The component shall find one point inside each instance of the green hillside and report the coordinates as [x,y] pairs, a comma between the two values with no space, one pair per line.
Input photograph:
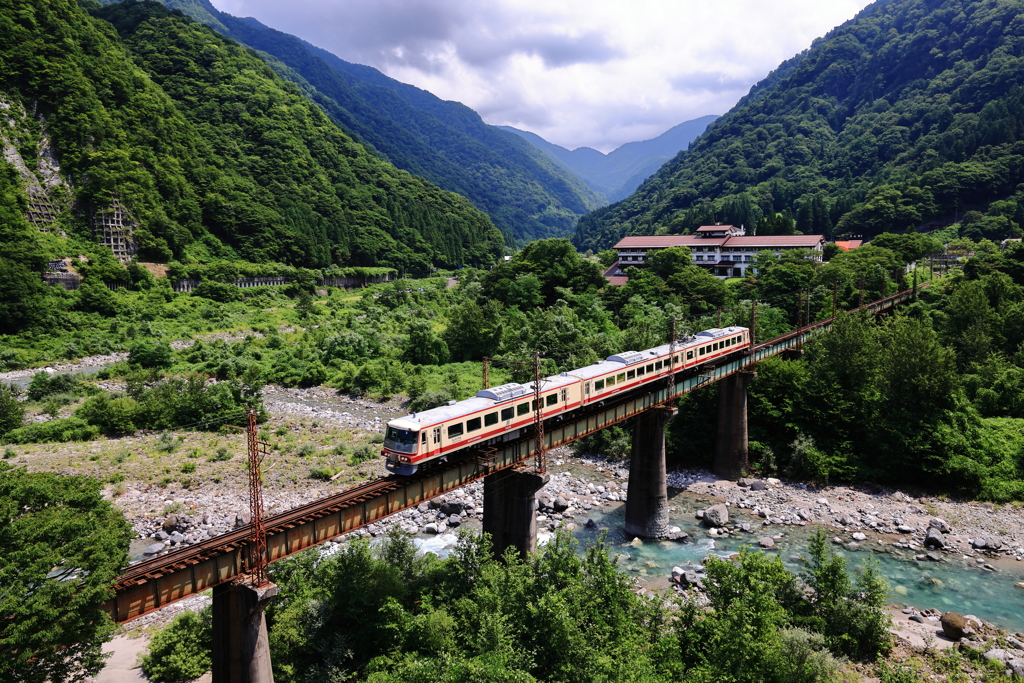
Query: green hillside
[909,113]
[527,195]
[212,153]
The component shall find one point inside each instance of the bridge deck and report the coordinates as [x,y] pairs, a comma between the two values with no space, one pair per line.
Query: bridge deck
[154,583]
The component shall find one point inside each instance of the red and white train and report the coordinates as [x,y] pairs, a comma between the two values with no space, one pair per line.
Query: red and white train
[500,413]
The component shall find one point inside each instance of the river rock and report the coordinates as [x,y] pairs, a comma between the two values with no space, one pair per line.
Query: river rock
[451,508]
[998,655]
[454,520]
[430,528]
[716,515]
[934,539]
[981,543]
[170,522]
[243,517]
[560,504]
[767,543]
[745,482]
[154,549]
[859,536]
[847,520]
[940,524]
[758,485]
[955,626]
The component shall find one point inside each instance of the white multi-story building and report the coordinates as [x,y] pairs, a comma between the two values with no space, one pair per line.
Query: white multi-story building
[725,250]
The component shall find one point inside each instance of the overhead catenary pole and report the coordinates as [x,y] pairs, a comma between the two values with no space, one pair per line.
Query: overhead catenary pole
[257,450]
[670,379]
[487,367]
[540,460]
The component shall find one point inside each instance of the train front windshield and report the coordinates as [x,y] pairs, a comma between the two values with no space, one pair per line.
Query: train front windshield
[402,440]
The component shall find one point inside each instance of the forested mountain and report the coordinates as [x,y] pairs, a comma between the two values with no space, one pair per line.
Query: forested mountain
[526,194]
[615,175]
[212,153]
[911,112]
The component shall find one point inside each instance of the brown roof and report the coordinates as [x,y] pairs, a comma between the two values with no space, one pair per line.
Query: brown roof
[847,245]
[714,228]
[665,241]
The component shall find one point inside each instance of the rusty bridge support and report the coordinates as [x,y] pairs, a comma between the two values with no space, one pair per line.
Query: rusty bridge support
[510,509]
[241,653]
[647,495]
[731,448]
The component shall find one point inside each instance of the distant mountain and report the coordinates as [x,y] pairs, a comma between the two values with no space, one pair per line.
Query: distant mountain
[526,194]
[617,174]
[911,111]
[141,117]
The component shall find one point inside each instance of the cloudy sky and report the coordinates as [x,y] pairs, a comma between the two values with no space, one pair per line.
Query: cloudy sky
[591,73]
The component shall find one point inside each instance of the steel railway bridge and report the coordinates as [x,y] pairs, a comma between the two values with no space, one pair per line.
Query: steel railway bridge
[510,485]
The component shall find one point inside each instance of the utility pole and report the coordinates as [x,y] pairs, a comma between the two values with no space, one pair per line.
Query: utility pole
[670,379]
[538,418]
[487,377]
[753,320]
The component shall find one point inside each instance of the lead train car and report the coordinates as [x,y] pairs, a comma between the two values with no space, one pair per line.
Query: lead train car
[501,413]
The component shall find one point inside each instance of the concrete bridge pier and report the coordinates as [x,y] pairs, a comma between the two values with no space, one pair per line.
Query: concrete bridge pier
[510,507]
[731,449]
[647,496]
[241,653]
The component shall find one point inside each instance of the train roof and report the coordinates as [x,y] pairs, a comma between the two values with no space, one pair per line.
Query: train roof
[716,332]
[601,367]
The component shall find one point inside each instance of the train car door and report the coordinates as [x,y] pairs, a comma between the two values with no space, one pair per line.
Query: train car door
[586,392]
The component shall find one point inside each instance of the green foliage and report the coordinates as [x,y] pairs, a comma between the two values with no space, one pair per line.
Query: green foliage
[215,158]
[24,300]
[909,112]
[60,430]
[526,194]
[155,354]
[61,548]
[181,650]
[112,414]
[363,453]
[12,412]
[535,274]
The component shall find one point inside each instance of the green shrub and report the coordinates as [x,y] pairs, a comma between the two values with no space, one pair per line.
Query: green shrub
[221,455]
[305,450]
[362,453]
[44,384]
[321,473]
[113,415]
[181,650]
[61,430]
[12,411]
[188,468]
[154,354]
[166,443]
[430,399]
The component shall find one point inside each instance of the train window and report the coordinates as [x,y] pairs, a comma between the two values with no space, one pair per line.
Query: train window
[522,409]
[640,371]
[490,419]
[702,350]
[551,400]
[437,435]
[473,425]
[717,345]
[508,413]
[689,355]
[610,381]
[657,366]
[454,430]
[599,385]
[650,367]
[423,438]
[630,374]
[621,377]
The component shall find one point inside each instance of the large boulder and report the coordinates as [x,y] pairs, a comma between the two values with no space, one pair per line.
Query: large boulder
[955,626]
[560,504]
[757,485]
[767,543]
[451,507]
[940,524]
[243,517]
[170,522]
[934,539]
[716,516]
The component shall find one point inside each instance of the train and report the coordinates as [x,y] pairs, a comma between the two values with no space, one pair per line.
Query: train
[502,413]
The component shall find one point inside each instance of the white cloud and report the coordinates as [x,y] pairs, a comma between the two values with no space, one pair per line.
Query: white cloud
[596,73]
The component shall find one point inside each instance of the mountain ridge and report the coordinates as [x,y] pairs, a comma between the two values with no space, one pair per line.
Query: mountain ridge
[617,174]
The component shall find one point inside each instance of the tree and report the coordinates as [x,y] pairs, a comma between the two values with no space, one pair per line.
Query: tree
[667,262]
[554,263]
[61,548]
[12,412]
